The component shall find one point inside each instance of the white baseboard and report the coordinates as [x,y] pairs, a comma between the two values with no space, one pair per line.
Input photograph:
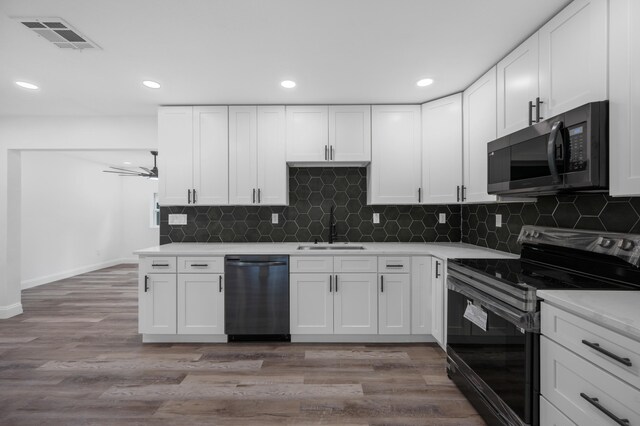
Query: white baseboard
[10,310]
[362,338]
[34,282]
[184,338]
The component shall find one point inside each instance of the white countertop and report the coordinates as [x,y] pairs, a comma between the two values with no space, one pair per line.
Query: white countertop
[617,310]
[441,250]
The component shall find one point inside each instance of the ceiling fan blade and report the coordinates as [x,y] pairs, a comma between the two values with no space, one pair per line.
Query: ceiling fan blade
[124,170]
[113,171]
[146,170]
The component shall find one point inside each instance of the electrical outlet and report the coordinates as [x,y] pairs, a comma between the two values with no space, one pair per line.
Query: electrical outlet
[177,219]
[376,218]
[442,218]
[274,218]
[498,221]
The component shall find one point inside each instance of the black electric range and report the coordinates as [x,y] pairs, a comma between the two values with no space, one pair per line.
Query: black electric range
[493,312]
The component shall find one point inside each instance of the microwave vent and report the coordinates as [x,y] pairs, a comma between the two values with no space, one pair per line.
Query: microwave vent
[58,32]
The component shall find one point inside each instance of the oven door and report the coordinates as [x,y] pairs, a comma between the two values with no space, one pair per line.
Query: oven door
[496,368]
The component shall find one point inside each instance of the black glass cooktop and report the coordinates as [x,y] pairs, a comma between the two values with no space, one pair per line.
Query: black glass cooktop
[543,276]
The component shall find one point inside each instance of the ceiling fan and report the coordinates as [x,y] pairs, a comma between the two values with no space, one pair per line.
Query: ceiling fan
[148,173]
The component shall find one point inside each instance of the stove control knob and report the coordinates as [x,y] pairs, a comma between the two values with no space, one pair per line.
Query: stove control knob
[626,245]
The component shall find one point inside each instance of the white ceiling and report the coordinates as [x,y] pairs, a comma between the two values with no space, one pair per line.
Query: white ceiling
[238,51]
[112,158]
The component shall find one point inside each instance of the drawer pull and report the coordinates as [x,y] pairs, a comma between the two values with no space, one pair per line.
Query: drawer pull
[596,346]
[199,265]
[595,403]
[395,266]
[154,265]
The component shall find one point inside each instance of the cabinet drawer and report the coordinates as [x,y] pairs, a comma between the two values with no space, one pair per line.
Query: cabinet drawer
[201,264]
[158,264]
[355,264]
[389,265]
[603,347]
[551,416]
[311,264]
[567,380]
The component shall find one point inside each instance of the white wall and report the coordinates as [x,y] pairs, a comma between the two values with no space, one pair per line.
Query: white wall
[137,196]
[27,133]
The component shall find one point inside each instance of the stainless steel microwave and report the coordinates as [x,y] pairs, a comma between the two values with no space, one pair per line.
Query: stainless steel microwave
[565,153]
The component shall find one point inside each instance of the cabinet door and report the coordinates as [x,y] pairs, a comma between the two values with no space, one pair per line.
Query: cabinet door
[158,304]
[394,173]
[307,133]
[200,304]
[273,179]
[175,154]
[355,304]
[243,156]
[421,297]
[311,300]
[573,57]
[517,86]
[211,155]
[442,150]
[479,128]
[438,301]
[350,133]
[394,304]
[624,108]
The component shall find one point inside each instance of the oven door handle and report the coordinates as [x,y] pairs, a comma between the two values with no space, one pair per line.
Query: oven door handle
[525,321]
[556,130]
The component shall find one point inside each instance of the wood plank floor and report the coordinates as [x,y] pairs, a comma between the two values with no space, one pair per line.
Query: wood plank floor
[75,358]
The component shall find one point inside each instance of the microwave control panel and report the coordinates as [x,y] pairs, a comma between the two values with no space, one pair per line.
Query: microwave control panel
[577,149]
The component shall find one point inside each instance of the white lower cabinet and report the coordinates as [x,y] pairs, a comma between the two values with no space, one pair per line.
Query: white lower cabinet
[394,304]
[551,416]
[421,297]
[311,303]
[157,303]
[200,304]
[439,300]
[355,304]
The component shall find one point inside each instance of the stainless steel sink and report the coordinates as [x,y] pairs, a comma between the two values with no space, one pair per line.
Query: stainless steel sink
[332,247]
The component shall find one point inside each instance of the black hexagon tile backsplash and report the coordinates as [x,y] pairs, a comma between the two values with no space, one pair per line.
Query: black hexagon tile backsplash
[312,192]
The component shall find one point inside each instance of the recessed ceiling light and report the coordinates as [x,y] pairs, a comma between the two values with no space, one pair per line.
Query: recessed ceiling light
[151,84]
[425,82]
[26,85]
[126,163]
[288,84]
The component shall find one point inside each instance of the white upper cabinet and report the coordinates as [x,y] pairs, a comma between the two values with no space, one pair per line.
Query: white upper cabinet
[573,57]
[210,155]
[395,171]
[243,154]
[350,133]
[517,87]
[257,163]
[479,128]
[175,156]
[307,133]
[273,175]
[442,150]
[192,145]
[624,106]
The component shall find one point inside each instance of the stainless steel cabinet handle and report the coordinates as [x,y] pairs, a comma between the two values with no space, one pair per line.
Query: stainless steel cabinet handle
[146,283]
[596,403]
[188,196]
[194,196]
[596,346]
[326,152]
[538,116]
[220,284]
[330,283]
[381,283]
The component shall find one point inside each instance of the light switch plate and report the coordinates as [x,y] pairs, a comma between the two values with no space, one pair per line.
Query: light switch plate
[376,218]
[274,218]
[442,218]
[498,221]
[177,219]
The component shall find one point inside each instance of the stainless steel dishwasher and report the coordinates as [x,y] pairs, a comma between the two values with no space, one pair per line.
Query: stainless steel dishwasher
[256,301]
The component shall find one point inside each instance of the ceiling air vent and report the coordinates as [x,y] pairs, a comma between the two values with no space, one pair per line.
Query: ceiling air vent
[58,32]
